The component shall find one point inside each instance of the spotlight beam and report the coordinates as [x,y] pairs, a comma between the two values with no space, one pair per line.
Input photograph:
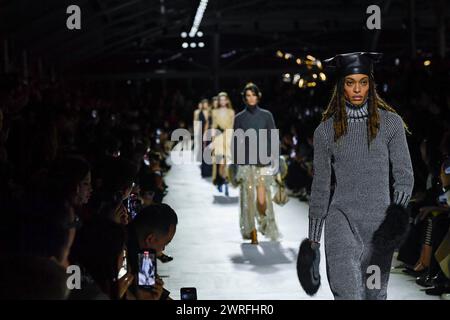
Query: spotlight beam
[198,17]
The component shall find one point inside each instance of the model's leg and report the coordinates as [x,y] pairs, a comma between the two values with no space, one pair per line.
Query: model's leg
[247,203]
[376,289]
[222,170]
[343,250]
[223,174]
[375,264]
[266,216]
[254,234]
[261,198]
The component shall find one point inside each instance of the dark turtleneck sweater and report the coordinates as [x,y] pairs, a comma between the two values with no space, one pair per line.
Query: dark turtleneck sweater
[253,118]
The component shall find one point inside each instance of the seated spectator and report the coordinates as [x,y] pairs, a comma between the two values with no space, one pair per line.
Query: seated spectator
[119,176]
[151,178]
[72,178]
[111,208]
[439,224]
[434,224]
[299,177]
[153,228]
[117,182]
[143,200]
[32,278]
[415,252]
[147,190]
[47,227]
[99,249]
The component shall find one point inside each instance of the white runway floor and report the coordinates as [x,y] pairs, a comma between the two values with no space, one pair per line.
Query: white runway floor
[210,255]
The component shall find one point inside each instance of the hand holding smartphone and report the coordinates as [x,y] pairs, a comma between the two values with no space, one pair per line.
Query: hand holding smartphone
[156,293]
[146,277]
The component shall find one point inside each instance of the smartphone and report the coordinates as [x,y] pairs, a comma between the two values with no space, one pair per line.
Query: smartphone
[134,205]
[146,277]
[443,199]
[188,293]
[124,268]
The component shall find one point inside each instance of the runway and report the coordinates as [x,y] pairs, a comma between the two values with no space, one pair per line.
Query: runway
[210,255]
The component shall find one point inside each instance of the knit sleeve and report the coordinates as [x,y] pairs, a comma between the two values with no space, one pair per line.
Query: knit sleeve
[235,141]
[400,161]
[270,122]
[274,149]
[320,189]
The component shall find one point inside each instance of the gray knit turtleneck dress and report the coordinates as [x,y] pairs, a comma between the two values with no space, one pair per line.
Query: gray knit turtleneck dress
[362,193]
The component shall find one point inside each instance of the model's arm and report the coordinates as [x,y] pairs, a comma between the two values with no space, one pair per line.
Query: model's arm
[213,125]
[270,122]
[232,119]
[206,121]
[320,189]
[196,114]
[273,155]
[400,160]
[234,140]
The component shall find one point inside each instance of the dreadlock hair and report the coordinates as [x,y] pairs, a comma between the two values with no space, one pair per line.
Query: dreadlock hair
[336,107]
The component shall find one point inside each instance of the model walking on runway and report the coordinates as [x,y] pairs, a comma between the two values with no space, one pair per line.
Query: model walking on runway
[222,123]
[257,177]
[361,140]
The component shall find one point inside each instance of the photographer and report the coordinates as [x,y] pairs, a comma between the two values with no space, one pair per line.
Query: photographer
[117,184]
[153,228]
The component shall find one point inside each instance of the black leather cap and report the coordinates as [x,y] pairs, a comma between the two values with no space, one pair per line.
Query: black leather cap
[352,63]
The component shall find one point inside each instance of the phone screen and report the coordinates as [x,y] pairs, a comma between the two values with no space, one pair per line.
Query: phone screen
[188,294]
[443,198]
[147,268]
[124,268]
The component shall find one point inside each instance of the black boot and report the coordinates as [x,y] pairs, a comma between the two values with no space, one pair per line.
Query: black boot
[219,181]
[439,289]
[164,258]
[226,189]
[426,280]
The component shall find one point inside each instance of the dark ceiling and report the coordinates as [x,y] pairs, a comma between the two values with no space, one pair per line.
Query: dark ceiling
[144,35]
